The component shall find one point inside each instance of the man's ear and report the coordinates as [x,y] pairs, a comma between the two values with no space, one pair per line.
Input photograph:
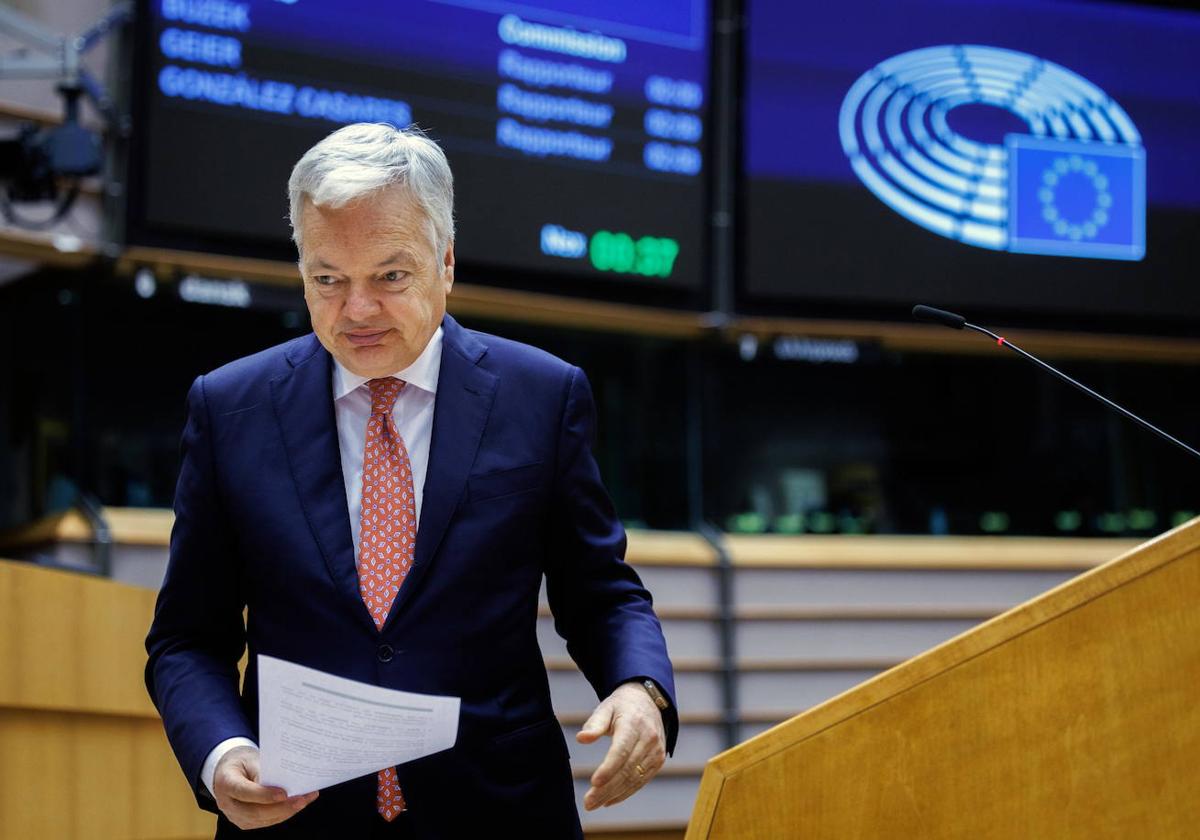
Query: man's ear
[448,267]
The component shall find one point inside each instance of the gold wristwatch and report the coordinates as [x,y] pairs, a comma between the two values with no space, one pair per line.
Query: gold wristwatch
[656,695]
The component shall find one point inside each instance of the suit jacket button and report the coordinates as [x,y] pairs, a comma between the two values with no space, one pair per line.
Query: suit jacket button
[385,652]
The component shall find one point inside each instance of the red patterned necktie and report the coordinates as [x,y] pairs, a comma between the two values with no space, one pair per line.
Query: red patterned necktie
[387,535]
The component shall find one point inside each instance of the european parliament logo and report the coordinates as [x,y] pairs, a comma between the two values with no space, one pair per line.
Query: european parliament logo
[1075,185]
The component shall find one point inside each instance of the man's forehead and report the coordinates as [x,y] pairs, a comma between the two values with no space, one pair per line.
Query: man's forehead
[384,226]
[391,255]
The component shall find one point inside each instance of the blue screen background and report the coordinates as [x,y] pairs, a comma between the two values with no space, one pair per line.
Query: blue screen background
[803,57]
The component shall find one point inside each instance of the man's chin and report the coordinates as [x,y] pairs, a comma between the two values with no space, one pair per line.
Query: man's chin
[371,361]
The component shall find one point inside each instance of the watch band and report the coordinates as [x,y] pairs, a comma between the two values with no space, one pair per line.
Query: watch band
[656,695]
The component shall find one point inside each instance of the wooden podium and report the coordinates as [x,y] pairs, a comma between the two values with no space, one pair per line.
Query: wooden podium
[82,750]
[1076,714]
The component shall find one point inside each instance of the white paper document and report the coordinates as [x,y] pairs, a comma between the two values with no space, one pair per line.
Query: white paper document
[317,730]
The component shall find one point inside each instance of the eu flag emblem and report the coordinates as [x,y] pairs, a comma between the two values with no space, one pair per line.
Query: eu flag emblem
[1076,198]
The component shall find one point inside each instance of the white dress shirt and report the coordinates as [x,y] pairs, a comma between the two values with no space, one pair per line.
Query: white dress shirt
[413,415]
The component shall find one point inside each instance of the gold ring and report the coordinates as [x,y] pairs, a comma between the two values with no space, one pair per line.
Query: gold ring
[641,771]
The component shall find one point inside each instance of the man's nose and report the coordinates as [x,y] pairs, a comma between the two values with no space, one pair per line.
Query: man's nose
[361,303]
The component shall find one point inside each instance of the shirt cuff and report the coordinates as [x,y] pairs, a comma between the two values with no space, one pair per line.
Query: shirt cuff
[209,770]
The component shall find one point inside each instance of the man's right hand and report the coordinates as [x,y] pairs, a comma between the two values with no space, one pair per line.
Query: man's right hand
[245,802]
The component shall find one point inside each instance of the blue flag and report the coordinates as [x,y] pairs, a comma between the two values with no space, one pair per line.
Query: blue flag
[1076,198]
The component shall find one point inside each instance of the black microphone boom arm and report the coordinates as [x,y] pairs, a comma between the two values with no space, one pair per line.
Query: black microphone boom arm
[949,319]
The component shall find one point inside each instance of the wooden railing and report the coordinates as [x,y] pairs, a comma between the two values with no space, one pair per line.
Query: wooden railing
[483,301]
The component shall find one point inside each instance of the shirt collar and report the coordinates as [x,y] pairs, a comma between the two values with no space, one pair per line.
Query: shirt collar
[423,373]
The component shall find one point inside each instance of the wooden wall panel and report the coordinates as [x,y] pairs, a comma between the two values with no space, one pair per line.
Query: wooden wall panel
[72,775]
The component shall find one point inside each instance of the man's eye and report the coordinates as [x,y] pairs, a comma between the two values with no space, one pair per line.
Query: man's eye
[324,280]
[395,276]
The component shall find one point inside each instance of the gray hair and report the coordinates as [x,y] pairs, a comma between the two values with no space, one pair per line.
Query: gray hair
[362,158]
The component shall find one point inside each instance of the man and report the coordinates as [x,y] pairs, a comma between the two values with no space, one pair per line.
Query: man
[381,500]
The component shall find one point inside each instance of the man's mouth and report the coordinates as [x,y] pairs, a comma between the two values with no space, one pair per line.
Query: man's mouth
[363,338]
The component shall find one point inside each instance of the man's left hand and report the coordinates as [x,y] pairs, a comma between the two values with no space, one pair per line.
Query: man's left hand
[638,748]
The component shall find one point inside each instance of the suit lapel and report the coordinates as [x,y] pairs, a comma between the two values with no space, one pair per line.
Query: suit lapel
[464,401]
[303,401]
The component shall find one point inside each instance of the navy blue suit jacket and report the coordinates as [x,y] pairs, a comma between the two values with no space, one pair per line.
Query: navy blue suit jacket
[512,494]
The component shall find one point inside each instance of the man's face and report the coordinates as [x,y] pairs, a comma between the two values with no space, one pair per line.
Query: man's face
[374,284]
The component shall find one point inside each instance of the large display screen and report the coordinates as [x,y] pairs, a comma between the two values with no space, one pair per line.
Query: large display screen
[576,130]
[1009,156]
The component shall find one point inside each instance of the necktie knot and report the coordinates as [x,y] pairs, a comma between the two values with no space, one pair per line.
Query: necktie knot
[384,393]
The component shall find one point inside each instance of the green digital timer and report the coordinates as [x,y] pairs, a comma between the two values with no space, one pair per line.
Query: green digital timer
[649,256]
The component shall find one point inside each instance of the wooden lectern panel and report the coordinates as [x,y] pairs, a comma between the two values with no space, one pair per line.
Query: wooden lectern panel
[1076,714]
[82,750]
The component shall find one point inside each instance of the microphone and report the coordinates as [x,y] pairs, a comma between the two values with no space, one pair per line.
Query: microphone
[949,319]
[938,316]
